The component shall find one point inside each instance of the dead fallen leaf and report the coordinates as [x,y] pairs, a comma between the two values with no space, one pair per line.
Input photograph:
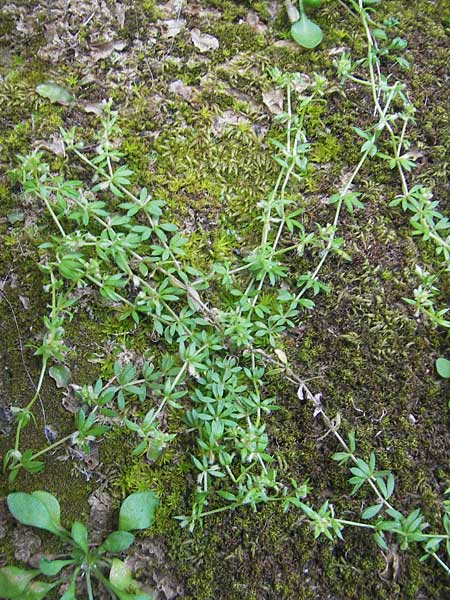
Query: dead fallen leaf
[172,7]
[69,400]
[338,50]
[55,145]
[25,302]
[228,117]
[120,14]
[414,155]
[93,107]
[174,26]
[243,97]
[302,82]
[102,51]
[273,99]
[180,89]
[287,44]
[274,7]
[87,79]
[292,11]
[203,41]
[254,22]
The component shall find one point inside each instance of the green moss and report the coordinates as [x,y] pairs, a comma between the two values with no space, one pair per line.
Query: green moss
[328,149]
[231,11]
[150,9]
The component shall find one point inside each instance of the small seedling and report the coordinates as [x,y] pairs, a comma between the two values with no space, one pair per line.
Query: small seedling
[41,509]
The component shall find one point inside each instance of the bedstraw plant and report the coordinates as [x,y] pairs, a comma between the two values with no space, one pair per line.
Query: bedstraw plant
[214,358]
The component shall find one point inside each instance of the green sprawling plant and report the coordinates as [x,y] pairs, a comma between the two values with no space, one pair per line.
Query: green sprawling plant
[392,146]
[85,560]
[390,143]
[214,357]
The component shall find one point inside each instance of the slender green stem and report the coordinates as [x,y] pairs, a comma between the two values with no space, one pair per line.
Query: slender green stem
[89,585]
[339,207]
[52,446]
[441,562]
[355,524]
[31,403]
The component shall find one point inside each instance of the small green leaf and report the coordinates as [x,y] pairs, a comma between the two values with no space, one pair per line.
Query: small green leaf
[37,590]
[69,594]
[30,510]
[306,33]
[443,367]
[55,93]
[120,576]
[123,584]
[138,511]
[79,535]
[13,581]
[61,374]
[380,34]
[371,511]
[379,539]
[118,541]
[52,567]
[51,504]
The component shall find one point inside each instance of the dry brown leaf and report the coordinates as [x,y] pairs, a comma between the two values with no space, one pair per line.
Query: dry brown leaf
[25,302]
[102,51]
[254,22]
[172,7]
[302,82]
[180,89]
[337,50]
[219,122]
[93,107]
[55,145]
[292,11]
[287,44]
[273,99]
[203,41]
[274,7]
[174,26]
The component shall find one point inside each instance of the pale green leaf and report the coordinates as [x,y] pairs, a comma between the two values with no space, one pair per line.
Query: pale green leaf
[306,33]
[138,511]
[61,374]
[55,93]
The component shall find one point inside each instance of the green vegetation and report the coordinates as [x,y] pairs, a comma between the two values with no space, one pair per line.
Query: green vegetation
[220,318]
[304,31]
[40,509]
